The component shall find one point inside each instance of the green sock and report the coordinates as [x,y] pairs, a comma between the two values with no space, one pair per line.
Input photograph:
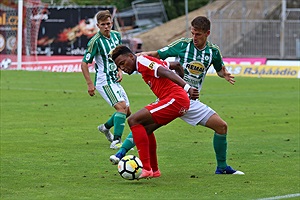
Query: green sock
[128,143]
[220,147]
[110,121]
[119,124]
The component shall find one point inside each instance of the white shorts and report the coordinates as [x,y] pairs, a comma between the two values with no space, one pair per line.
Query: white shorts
[198,113]
[113,93]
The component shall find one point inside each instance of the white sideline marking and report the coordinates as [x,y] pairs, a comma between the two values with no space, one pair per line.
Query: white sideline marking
[281,197]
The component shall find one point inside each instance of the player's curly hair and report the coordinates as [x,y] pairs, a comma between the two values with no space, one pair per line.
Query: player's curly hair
[120,50]
[201,23]
[103,15]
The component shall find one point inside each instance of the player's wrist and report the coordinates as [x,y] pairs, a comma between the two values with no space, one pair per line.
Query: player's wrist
[186,87]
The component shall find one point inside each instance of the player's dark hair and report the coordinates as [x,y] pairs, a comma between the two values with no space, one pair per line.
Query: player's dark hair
[201,23]
[103,15]
[120,50]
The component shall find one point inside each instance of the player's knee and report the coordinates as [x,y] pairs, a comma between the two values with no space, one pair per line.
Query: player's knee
[131,121]
[222,128]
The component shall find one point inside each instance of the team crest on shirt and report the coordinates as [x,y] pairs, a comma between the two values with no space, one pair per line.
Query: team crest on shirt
[112,67]
[195,67]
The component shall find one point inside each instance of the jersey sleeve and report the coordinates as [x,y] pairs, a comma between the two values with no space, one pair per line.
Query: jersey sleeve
[172,50]
[119,37]
[217,60]
[149,65]
[90,51]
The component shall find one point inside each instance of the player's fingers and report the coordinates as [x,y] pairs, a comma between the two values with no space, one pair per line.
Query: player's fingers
[91,92]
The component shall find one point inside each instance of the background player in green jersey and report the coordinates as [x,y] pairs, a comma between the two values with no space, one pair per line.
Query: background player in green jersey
[107,76]
[196,55]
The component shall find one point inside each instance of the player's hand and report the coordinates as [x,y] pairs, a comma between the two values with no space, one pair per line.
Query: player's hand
[91,90]
[120,76]
[229,78]
[141,54]
[194,93]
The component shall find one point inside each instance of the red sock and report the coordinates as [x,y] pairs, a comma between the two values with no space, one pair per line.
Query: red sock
[141,141]
[152,151]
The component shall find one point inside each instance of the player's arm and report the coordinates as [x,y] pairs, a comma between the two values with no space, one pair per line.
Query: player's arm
[120,75]
[86,74]
[177,67]
[166,73]
[149,53]
[220,67]
[223,73]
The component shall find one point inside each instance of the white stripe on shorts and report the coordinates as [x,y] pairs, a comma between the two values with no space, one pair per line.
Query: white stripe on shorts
[162,106]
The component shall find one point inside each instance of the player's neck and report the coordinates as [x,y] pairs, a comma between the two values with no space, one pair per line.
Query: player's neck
[200,47]
[107,36]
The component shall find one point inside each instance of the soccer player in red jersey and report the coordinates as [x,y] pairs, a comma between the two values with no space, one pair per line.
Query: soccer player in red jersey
[173,101]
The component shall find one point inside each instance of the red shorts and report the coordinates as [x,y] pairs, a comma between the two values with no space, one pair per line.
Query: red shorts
[167,109]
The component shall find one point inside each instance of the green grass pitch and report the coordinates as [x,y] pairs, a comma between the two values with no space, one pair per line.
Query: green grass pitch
[51,148]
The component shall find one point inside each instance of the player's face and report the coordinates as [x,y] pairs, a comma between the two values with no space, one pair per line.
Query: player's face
[126,63]
[105,26]
[199,37]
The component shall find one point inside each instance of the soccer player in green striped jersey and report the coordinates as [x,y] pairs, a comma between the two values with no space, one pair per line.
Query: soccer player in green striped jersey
[196,55]
[107,77]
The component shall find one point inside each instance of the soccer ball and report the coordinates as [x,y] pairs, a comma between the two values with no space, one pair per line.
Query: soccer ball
[130,167]
[5,63]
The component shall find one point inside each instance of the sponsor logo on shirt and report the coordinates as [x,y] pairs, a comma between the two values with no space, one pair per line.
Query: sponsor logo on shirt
[151,65]
[195,67]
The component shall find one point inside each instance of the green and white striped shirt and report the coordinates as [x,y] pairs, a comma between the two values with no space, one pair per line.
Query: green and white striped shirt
[194,61]
[99,48]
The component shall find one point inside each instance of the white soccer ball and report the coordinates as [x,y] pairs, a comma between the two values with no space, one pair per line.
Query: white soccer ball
[5,63]
[130,167]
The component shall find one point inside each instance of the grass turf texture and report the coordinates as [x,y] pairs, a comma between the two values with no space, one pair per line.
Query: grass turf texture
[51,148]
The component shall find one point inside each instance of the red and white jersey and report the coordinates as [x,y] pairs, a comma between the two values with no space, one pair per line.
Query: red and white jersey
[161,87]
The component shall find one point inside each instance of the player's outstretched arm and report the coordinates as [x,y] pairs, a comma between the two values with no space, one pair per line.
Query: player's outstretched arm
[149,53]
[223,73]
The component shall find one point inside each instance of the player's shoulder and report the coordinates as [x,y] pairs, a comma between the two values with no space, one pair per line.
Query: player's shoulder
[148,61]
[94,39]
[185,40]
[115,32]
[144,59]
[182,40]
[213,46]
[215,49]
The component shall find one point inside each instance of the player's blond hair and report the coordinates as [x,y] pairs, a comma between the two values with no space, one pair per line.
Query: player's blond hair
[102,15]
